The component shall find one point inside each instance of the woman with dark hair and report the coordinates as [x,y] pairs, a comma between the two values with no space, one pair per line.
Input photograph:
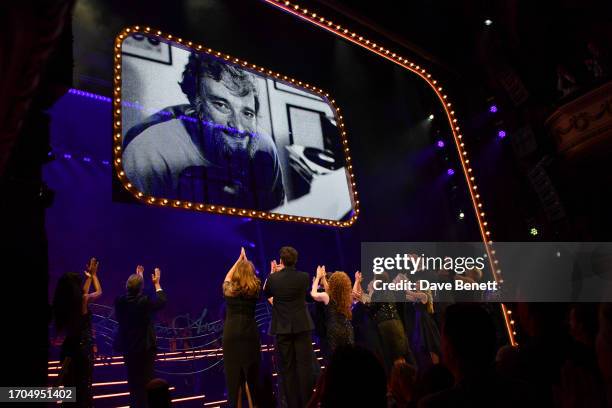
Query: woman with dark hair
[73,323]
[338,301]
[241,347]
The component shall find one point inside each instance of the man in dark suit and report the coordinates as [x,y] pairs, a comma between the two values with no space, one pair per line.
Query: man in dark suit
[136,336]
[287,290]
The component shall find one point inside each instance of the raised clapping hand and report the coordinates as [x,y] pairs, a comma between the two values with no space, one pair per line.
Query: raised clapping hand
[274,267]
[358,277]
[139,270]
[155,276]
[93,266]
[321,272]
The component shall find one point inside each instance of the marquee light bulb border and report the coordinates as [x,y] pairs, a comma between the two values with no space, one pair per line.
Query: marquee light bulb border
[396,58]
[213,208]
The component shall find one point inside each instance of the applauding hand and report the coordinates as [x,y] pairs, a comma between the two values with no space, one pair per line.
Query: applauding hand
[92,266]
[321,272]
[156,276]
[274,267]
[139,270]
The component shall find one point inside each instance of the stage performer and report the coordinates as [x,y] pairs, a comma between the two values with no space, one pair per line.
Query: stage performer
[73,320]
[136,336]
[241,346]
[338,301]
[292,325]
[381,306]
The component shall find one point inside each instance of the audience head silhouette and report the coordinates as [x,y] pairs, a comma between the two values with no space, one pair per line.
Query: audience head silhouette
[402,382]
[468,340]
[158,393]
[341,385]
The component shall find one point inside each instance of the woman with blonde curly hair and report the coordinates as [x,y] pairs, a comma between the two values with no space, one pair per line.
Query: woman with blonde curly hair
[338,300]
[241,347]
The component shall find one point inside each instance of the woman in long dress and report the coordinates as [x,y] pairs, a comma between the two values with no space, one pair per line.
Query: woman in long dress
[425,337]
[73,324]
[241,346]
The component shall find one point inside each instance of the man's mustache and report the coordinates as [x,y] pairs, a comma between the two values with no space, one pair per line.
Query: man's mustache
[225,143]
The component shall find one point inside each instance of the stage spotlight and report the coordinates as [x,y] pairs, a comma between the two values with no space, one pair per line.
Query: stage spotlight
[50,157]
[501,134]
[431,117]
[488,22]
[493,109]
[461,215]
[450,172]
[533,231]
[440,143]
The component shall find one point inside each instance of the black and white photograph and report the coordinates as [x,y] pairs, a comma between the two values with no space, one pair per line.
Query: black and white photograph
[197,128]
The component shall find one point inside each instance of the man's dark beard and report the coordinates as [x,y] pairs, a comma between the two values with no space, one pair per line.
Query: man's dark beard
[220,150]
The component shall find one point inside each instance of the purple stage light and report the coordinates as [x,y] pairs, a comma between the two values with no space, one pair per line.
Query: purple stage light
[450,172]
[493,109]
[90,95]
[440,143]
[105,162]
[67,156]
[501,134]
[86,159]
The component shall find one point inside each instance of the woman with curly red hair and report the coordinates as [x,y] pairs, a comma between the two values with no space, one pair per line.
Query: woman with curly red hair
[338,300]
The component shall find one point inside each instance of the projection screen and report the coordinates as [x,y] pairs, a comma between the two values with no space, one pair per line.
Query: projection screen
[201,130]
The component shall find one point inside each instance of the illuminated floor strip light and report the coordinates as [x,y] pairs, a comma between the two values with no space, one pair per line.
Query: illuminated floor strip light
[195,355]
[120,394]
[102,384]
[215,402]
[188,398]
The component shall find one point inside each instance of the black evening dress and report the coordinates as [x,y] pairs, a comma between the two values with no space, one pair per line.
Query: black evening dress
[77,355]
[241,347]
[425,337]
[339,329]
